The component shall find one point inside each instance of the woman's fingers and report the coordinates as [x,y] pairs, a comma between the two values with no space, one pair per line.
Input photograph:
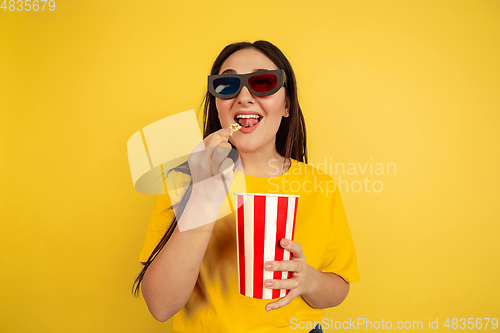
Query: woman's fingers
[218,148]
[298,268]
[281,302]
[216,138]
[281,284]
[198,163]
[293,247]
[201,161]
[284,266]
[219,154]
[226,167]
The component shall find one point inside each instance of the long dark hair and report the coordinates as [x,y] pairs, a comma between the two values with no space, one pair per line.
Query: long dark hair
[290,138]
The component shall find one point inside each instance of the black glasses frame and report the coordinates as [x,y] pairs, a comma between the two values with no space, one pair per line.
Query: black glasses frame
[280,75]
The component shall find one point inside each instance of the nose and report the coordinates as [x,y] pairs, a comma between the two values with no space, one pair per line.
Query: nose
[245,96]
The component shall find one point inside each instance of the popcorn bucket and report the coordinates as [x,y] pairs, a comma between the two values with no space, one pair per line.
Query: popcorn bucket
[262,220]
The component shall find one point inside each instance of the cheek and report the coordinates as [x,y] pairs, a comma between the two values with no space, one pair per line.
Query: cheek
[224,111]
[220,108]
[223,106]
[275,107]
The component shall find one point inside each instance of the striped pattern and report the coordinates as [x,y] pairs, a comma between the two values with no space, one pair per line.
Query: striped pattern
[261,222]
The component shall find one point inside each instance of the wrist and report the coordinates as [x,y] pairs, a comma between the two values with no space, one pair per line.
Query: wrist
[312,281]
[211,190]
[204,204]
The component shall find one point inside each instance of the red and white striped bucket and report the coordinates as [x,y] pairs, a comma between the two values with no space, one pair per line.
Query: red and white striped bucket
[262,220]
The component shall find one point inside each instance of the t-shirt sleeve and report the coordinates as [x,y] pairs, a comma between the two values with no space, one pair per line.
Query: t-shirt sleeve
[340,255]
[163,214]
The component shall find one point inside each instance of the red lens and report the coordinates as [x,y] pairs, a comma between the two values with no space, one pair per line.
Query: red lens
[263,82]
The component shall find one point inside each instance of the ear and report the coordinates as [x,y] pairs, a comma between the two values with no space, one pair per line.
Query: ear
[287,107]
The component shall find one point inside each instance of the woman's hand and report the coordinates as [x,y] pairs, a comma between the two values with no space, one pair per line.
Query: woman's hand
[301,281]
[318,289]
[209,158]
[212,174]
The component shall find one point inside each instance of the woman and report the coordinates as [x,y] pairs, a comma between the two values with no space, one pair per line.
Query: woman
[193,275]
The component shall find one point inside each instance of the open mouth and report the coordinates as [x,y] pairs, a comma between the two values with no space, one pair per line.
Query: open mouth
[248,120]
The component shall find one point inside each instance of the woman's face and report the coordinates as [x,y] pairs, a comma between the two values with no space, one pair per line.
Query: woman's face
[255,135]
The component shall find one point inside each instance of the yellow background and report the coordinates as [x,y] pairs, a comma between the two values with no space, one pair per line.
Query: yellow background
[415,83]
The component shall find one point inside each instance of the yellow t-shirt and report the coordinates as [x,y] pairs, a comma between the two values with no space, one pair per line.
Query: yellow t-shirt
[321,229]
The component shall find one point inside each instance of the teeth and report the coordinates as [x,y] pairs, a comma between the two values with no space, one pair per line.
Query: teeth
[247,116]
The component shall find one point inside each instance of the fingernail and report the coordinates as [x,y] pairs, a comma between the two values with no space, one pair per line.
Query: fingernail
[268,284]
[228,129]
[284,242]
[269,266]
[269,308]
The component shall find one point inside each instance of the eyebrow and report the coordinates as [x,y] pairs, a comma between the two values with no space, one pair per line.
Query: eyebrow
[232,71]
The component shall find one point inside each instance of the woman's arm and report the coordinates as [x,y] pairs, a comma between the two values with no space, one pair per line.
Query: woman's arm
[171,277]
[327,289]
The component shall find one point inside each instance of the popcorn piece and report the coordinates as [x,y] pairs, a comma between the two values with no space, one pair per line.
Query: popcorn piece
[234,128]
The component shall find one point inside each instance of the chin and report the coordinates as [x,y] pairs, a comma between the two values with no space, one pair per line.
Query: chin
[245,147]
[244,150]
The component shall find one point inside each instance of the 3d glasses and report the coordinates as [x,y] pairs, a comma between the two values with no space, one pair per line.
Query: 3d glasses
[259,83]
